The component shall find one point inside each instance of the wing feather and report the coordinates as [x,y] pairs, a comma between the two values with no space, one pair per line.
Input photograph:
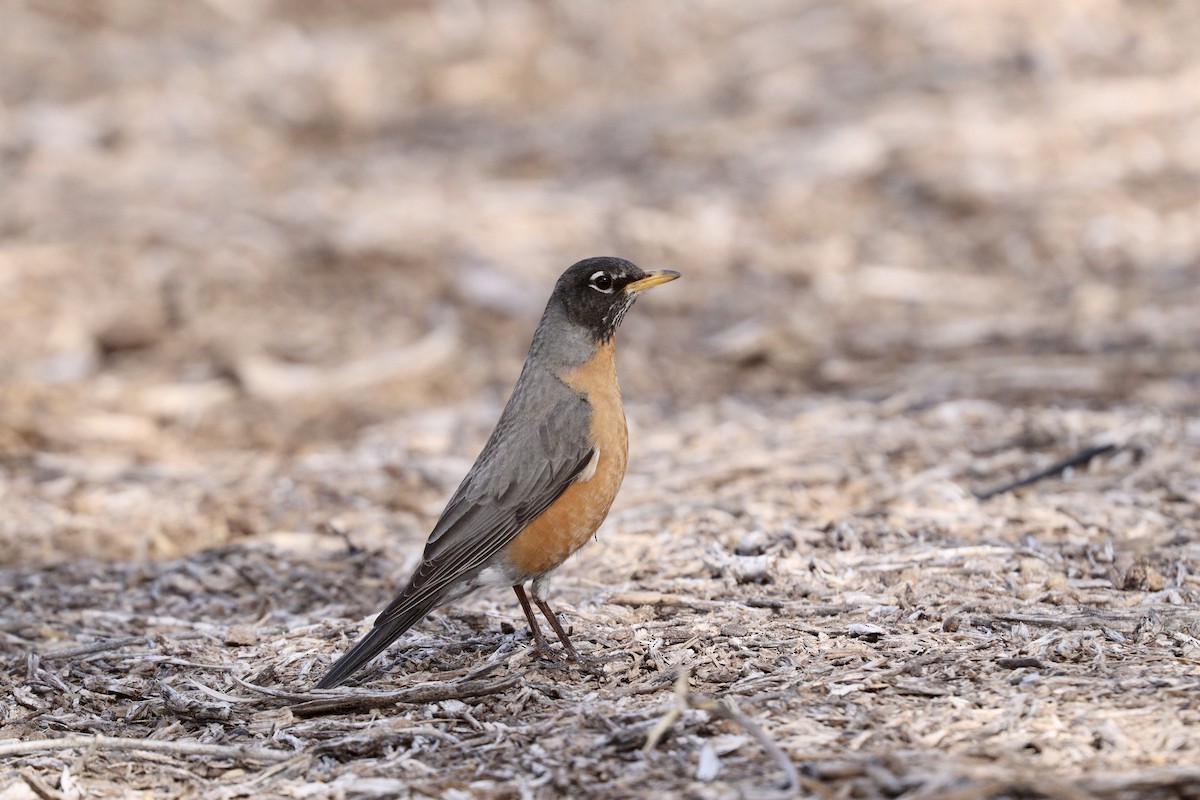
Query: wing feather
[534,454]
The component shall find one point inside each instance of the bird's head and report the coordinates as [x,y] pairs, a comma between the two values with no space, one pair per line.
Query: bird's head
[595,293]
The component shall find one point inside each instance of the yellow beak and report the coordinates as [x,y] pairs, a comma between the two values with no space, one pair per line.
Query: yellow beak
[652,279]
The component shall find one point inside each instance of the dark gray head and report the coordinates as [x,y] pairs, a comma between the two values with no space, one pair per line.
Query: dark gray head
[595,293]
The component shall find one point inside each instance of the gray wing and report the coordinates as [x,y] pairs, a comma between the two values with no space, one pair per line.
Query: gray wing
[539,447]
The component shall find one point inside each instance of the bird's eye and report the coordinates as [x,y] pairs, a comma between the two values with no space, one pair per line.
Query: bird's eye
[601,281]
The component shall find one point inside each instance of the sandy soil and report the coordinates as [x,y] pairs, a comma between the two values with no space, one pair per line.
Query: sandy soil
[268,270]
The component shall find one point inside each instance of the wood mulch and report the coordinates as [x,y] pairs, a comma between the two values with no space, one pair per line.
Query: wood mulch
[824,610]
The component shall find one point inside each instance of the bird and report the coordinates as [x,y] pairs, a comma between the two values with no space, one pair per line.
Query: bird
[547,475]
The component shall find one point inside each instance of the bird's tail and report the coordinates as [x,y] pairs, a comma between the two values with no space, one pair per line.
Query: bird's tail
[388,628]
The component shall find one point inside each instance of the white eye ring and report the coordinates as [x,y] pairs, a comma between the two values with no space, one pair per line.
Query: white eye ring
[596,276]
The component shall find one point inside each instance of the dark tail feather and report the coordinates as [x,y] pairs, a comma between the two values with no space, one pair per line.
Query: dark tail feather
[372,645]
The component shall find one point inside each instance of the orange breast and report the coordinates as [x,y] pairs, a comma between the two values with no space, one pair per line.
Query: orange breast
[573,519]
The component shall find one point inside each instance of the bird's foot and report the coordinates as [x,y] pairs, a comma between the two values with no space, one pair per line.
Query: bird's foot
[565,658]
[589,665]
[543,651]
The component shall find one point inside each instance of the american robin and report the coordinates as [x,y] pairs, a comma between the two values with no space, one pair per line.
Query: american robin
[547,475]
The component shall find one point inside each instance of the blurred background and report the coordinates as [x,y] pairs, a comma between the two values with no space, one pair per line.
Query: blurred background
[235,233]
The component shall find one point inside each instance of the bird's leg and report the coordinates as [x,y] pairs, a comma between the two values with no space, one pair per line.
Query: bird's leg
[541,590]
[539,641]
[586,664]
[552,618]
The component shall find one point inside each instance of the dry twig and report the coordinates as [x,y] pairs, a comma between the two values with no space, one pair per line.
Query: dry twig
[1183,779]
[39,786]
[238,753]
[91,649]
[722,709]
[347,703]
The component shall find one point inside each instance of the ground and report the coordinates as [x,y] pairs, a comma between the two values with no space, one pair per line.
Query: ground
[267,272]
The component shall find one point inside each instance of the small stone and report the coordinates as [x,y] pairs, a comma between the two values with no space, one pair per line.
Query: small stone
[1142,577]
[753,543]
[1032,568]
[709,765]
[751,569]
[241,635]
[454,708]
[866,631]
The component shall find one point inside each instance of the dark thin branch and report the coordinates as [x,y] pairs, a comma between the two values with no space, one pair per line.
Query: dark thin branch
[1057,468]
